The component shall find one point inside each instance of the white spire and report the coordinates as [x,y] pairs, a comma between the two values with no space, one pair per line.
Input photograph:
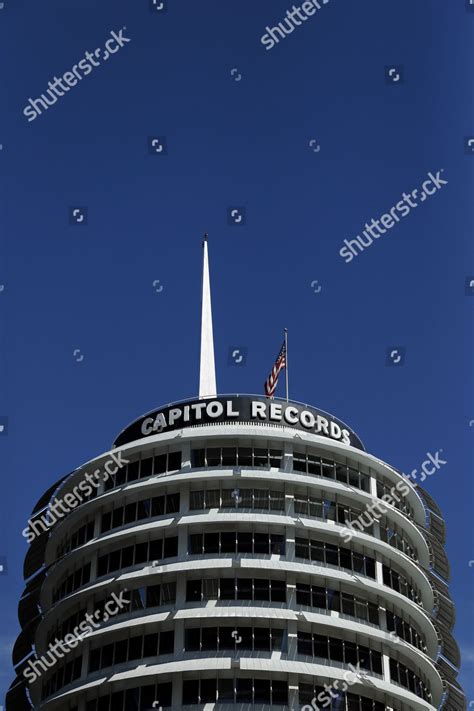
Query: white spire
[207,373]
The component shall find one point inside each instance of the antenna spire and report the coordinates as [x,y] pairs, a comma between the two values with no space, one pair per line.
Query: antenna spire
[207,372]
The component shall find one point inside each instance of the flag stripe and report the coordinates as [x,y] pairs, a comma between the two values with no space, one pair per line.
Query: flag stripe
[272,380]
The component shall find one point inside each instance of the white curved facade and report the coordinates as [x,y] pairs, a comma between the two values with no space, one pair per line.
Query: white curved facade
[243,589]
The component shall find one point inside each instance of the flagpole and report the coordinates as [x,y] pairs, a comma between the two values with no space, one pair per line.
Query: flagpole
[286,359]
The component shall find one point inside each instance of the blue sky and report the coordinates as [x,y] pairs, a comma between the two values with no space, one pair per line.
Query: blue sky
[247,143]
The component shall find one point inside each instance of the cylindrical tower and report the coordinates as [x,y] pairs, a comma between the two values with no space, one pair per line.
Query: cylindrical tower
[236,553]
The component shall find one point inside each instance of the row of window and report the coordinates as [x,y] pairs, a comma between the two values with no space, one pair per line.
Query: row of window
[83,535]
[128,650]
[400,584]
[143,468]
[237,638]
[235,691]
[330,649]
[231,542]
[139,510]
[145,552]
[400,674]
[237,542]
[137,599]
[328,599]
[258,589]
[262,499]
[405,631]
[63,675]
[385,488]
[318,466]
[236,457]
[340,701]
[338,556]
[227,691]
[72,582]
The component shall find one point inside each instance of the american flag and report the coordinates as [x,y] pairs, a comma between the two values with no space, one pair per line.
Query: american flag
[272,380]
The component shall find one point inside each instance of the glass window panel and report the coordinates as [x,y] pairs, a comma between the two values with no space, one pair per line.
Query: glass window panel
[317,551]
[143,509]
[244,542]
[107,658]
[150,645]
[332,554]
[261,543]
[158,506]
[209,638]
[243,691]
[229,498]
[303,594]
[370,567]
[228,542]
[328,468]
[170,547]
[357,562]
[244,589]
[174,461]
[209,588]
[159,464]
[172,503]
[275,458]
[130,513]
[153,595]
[196,500]
[278,638]
[321,646]
[261,589]
[229,456]
[226,638]
[227,589]
[156,549]
[299,462]
[135,648]
[114,561]
[120,653]
[261,499]
[213,499]
[305,644]
[190,692]
[127,557]
[208,691]
[168,593]
[133,469]
[246,497]
[94,660]
[226,691]
[277,500]
[245,457]
[146,467]
[302,505]
[348,605]
[141,553]
[195,543]
[277,544]
[166,642]
[192,640]
[279,693]
[336,650]
[260,457]
[211,543]
[213,456]
[262,693]
[198,458]
[278,591]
